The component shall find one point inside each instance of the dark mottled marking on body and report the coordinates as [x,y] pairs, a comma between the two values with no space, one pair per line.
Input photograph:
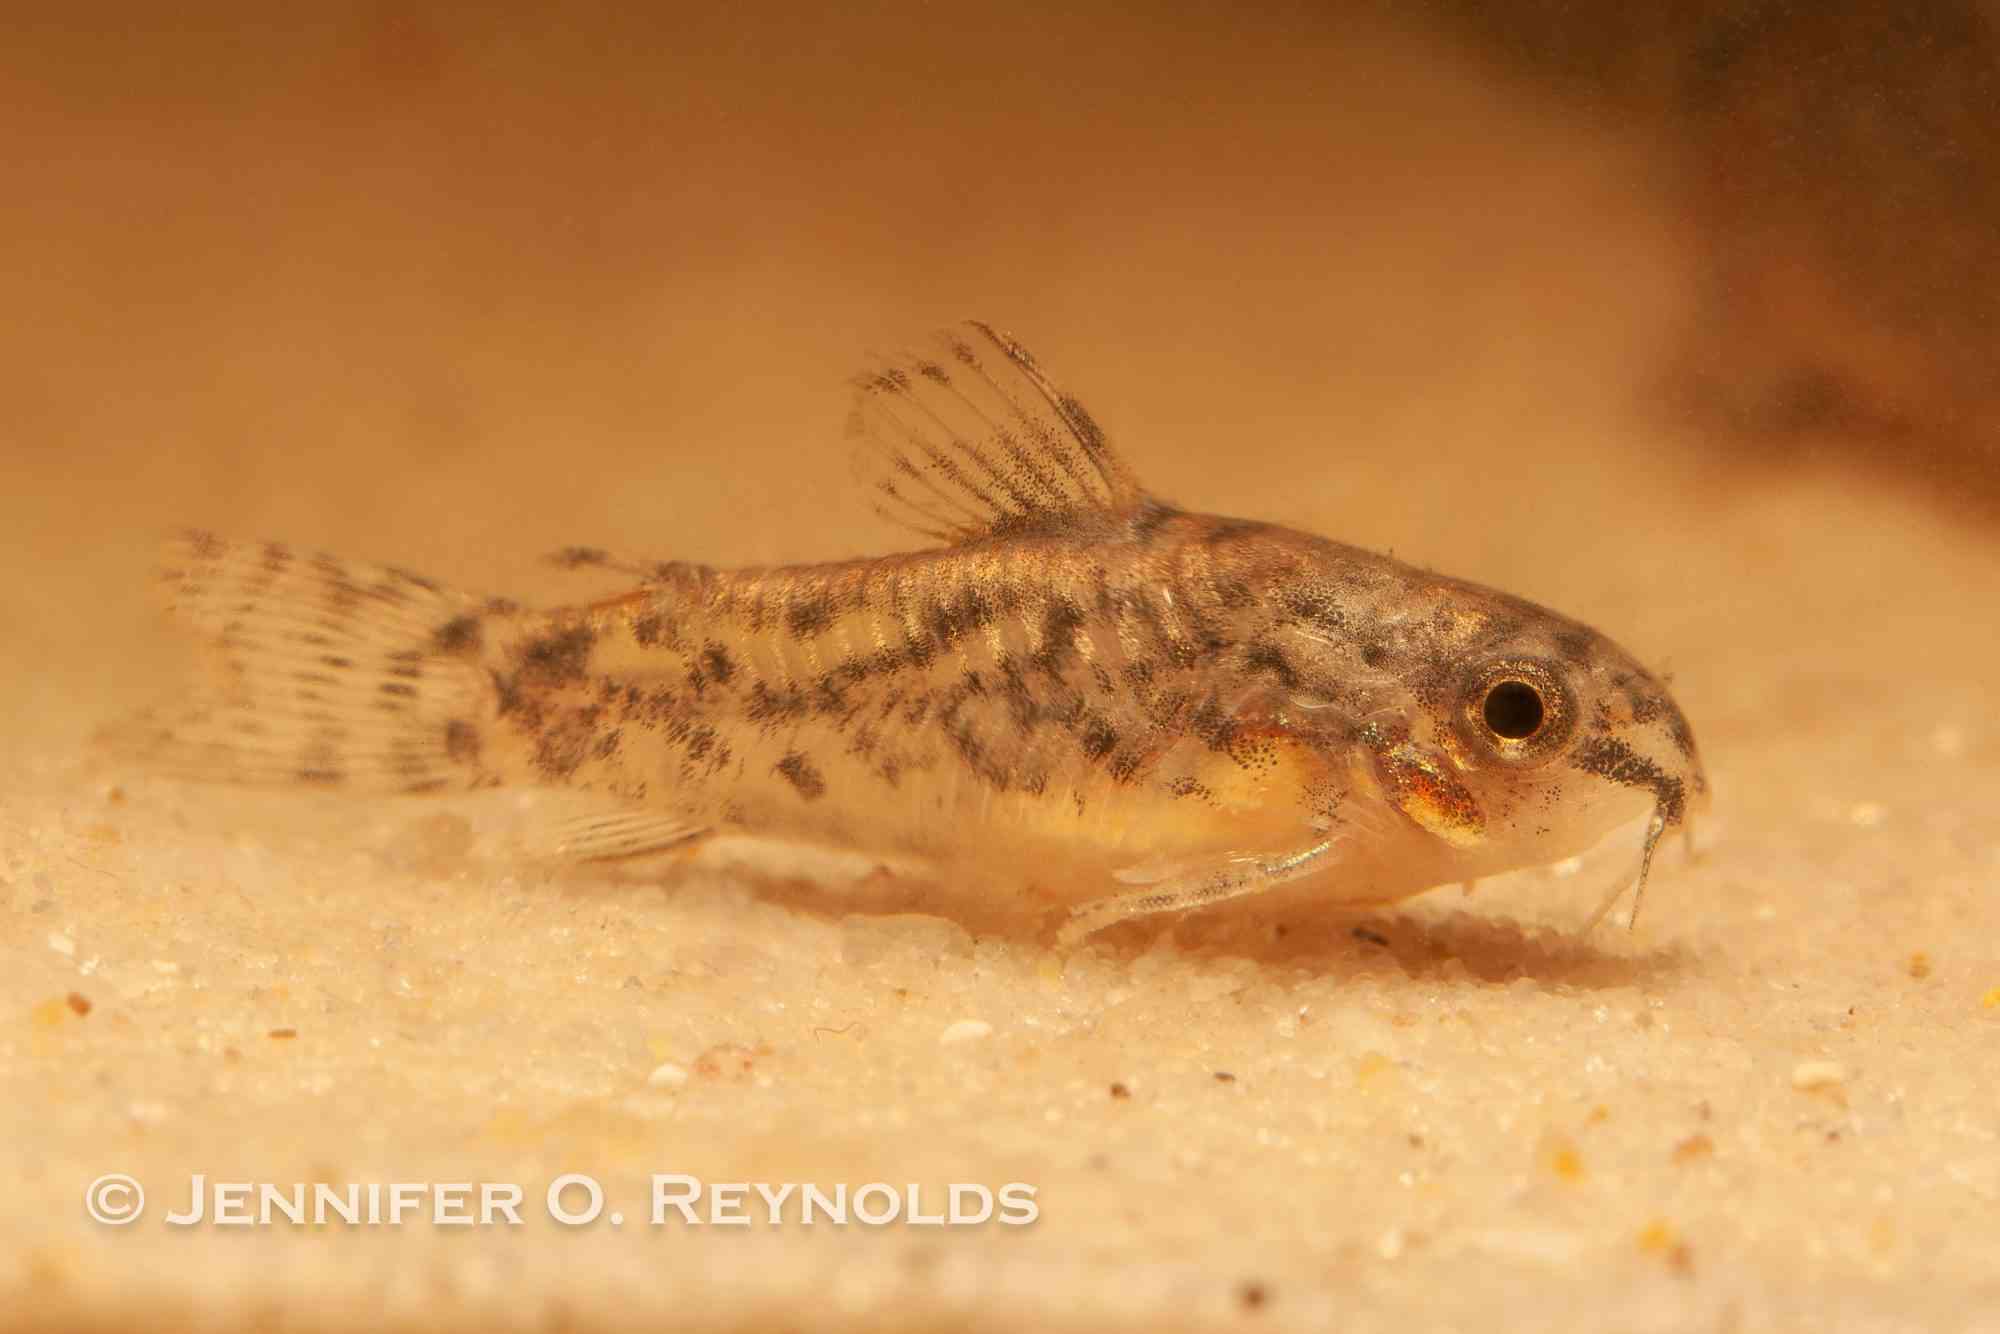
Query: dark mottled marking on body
[1060,621]
[560,657]
[950,619]
[700,741]
[771,706]
[828,699]
[1024,709]
[560,752]
[806,616]
[343,594]
[882,662]
[1209,636]
[715,660]
[965,740]
[919,650]
[1216,728]
[1269,659]
[1126,764]
[1314,604]
[507,694]
[1097,737]
[1063,704]
[459,635]
[461,741]
[561,749]
[1168,708]
[972,751]
[1233,593]
[798,770]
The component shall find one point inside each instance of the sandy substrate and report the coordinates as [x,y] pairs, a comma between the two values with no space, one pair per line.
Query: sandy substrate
[1397,308]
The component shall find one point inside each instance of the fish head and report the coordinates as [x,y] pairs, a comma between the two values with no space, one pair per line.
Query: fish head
[1529,745]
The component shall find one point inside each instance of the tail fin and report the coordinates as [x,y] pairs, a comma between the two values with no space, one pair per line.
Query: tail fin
[332,673]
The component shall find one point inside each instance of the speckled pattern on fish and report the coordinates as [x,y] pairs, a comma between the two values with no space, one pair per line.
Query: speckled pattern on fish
[1079,687]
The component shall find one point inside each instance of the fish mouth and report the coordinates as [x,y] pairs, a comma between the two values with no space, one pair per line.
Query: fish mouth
[1678,792]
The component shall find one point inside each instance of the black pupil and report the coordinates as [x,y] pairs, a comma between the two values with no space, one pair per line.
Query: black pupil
[1514,710]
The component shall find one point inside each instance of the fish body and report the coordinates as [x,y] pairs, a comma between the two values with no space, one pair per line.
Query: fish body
[1081,687]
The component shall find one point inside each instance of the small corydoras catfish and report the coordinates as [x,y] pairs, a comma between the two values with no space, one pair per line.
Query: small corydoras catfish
[1081,687]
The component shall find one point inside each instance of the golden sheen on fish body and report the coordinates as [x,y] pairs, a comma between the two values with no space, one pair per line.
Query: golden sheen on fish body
[1079,692]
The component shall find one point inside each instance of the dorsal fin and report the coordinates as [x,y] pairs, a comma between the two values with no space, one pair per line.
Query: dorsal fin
[971,439]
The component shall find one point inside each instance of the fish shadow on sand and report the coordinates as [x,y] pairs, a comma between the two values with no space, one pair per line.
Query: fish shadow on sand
[1421,942]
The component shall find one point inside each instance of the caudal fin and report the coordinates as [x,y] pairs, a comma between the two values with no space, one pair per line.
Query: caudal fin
[329,673]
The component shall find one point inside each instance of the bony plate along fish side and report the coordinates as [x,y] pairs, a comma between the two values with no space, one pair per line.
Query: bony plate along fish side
[1078,693]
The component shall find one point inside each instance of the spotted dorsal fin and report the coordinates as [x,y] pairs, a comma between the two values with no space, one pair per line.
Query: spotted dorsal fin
[969,439]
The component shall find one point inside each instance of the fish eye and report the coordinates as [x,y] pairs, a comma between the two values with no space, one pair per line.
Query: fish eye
[1513,710]
[1519,710]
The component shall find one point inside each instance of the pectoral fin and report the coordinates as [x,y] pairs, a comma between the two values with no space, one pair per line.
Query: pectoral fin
[1195,887]
[616,835]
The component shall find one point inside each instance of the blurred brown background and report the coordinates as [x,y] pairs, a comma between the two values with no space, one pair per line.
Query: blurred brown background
[1836,172]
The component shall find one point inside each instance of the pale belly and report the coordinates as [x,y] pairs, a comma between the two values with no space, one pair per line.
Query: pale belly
[1064,843]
